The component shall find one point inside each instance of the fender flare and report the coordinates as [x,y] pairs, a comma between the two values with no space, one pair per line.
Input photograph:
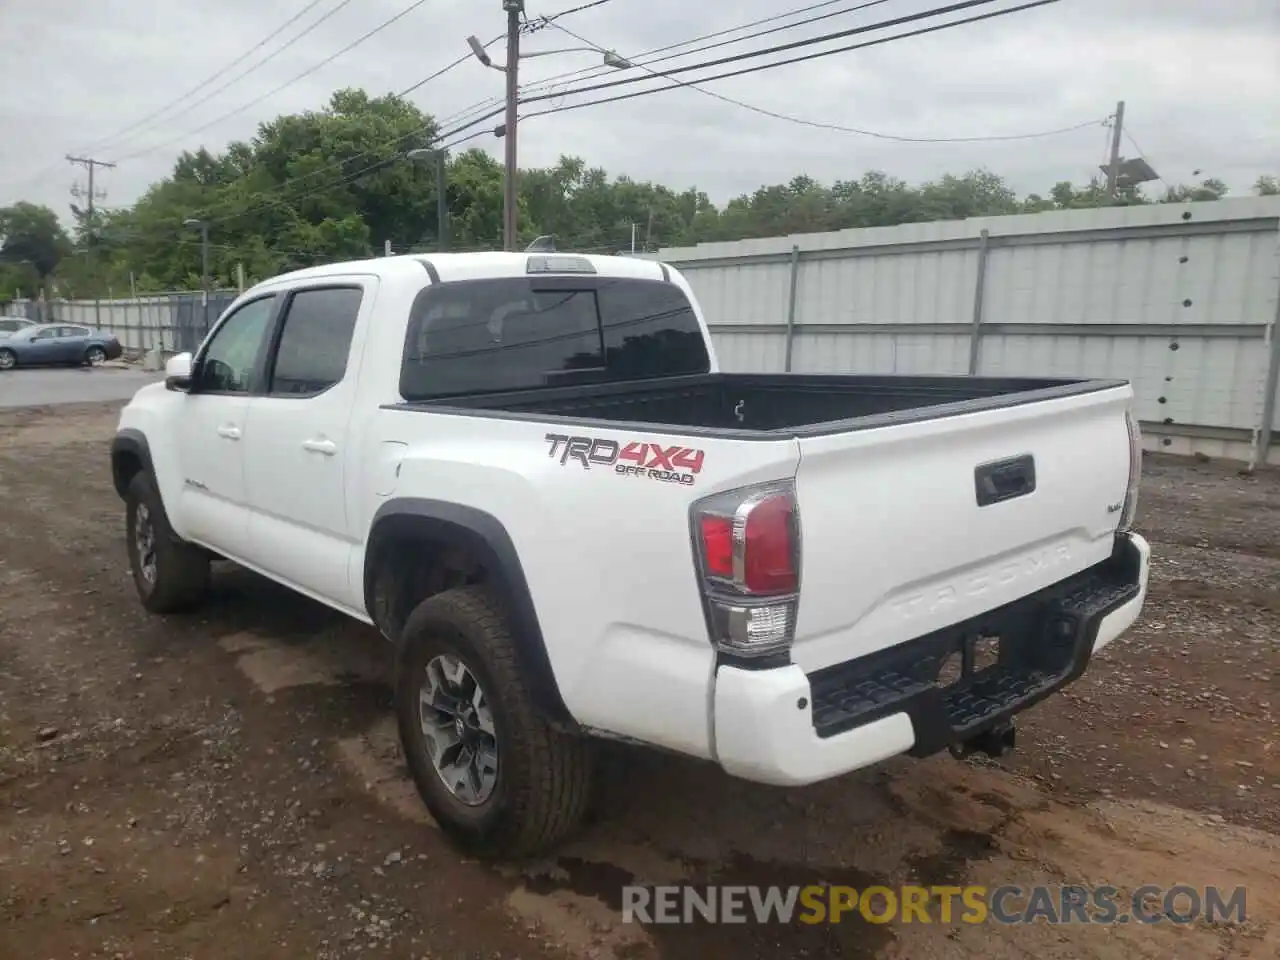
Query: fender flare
[484,537]
[127,444]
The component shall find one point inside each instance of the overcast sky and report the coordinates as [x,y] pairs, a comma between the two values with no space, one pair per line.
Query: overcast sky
[1200,79]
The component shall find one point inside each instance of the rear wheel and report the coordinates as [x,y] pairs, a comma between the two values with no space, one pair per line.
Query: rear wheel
[497,778]
[95,356]
[8,359]
[169,574]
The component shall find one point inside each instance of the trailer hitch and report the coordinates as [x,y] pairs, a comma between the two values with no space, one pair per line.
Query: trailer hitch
[994,742]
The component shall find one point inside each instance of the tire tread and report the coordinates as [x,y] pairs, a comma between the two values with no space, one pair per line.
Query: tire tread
[549,771]
[182,569]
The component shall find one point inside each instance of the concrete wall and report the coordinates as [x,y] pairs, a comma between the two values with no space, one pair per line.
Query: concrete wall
[1180,299]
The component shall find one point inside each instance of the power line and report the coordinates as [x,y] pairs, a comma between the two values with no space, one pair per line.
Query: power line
[800,59]
[821,125]
[238,60]
[288,83]
[432,76]
[867,4]
[780,48]
[577,9]
[341,181]
[40,174]
[393,142]
[589,72]
[270,200]
[592,72]
[664,75]
[1129,136]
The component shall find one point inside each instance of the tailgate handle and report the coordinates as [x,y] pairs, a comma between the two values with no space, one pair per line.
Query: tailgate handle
[1005,479]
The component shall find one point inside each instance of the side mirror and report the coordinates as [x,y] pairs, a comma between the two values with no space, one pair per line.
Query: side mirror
[177,372]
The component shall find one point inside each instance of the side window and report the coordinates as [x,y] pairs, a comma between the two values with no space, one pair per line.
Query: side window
[316,340]
[230,362]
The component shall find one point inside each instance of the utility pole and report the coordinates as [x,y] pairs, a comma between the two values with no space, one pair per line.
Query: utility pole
[442,201]
[203,226]
[90,164]
[441,158]
[1113,166]
[510,195]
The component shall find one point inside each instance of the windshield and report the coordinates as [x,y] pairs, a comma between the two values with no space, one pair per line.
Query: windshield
[482,336]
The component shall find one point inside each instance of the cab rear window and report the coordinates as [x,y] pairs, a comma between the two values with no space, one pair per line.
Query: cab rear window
[520,333]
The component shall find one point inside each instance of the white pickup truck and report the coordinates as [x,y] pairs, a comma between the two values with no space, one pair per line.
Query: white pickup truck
[527,472]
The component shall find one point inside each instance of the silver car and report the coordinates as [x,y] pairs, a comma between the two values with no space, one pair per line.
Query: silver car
[52,343]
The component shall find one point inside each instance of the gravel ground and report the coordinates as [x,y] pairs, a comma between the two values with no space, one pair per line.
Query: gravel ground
[228,785]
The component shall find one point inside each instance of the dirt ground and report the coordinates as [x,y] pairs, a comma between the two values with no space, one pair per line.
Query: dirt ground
[228,785]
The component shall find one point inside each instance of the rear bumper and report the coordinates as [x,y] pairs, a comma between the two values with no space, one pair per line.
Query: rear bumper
[783,726]
[114,349]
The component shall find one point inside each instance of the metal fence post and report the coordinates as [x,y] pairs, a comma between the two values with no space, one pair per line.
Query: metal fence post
[1269,395]
[979,288]
[791,304]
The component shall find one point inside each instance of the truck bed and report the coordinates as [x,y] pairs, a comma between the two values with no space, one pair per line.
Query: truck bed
[794,404]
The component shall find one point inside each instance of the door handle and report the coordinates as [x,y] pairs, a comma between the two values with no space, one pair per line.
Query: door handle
[327,447]
[229,432]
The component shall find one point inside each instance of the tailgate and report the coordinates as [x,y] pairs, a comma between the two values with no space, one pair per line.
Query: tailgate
[895,542]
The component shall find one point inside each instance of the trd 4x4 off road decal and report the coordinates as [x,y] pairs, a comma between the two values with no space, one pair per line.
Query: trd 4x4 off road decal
[654,461]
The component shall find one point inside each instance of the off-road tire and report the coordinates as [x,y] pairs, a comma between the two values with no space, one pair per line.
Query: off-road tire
[182,569]
[544,775]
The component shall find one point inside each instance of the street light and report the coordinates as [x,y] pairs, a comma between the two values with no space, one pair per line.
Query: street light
[203,226]
[442,201]
[611,59]
[514,8]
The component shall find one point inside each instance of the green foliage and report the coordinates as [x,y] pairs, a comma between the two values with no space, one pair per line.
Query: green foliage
[335,183]
[32,244]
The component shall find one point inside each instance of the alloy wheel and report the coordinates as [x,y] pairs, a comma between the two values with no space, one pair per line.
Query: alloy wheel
[457,725]
[144,540]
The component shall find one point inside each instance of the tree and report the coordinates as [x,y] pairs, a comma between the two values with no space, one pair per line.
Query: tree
[33,236]
[1210,189]
[334,183]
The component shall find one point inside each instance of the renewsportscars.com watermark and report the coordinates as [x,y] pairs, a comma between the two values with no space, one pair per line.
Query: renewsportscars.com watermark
[1008,904]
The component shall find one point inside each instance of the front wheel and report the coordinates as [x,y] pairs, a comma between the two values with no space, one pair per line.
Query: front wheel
[169,574]
[95,356]
[8,359]
[497,778]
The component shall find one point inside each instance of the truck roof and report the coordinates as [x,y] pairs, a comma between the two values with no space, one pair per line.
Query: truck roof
[468,266]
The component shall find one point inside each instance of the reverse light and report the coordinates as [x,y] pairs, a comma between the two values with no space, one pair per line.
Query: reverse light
[747,546]
[1130,509]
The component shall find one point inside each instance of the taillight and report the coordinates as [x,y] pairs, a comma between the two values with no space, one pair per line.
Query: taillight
[1130,509]
[747,543]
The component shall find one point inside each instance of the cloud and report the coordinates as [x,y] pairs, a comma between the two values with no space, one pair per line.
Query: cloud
[1198,77]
